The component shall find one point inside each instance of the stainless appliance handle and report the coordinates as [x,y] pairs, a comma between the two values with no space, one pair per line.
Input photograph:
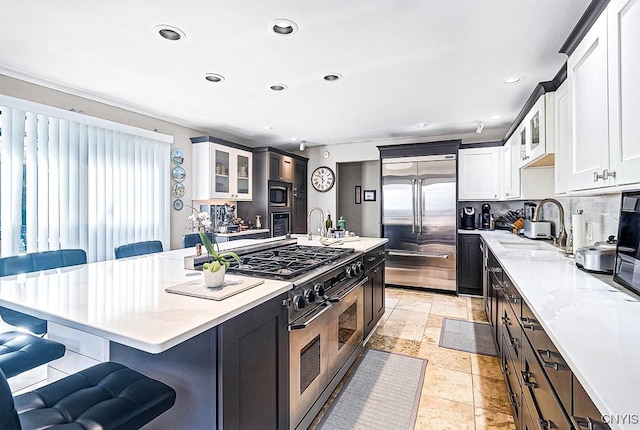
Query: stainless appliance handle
[351,288]
[413,206]
[418,254]
[420,202]
[304,324]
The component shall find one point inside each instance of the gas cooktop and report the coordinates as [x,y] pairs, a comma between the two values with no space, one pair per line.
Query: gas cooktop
[286,262]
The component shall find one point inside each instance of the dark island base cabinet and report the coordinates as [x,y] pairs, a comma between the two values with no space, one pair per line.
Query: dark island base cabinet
[469,264]
[234,376]
[543,392]
[253,373]
[374,289]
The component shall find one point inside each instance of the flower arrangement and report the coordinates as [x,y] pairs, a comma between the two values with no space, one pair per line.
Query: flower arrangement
[201,221]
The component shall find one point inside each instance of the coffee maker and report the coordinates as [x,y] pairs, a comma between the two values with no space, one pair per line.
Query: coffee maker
[485,217]
[468,218]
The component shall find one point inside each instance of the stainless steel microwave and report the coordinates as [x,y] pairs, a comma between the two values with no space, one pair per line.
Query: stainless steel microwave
[626,271]
[279,195]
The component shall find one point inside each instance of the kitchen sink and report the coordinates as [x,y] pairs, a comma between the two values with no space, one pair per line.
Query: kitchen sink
[530,246]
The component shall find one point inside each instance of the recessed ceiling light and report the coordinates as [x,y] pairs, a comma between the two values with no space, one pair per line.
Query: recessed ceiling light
[284,27]
[333,77]
[496,117]
[268,127]
[511,81]
[278,87]
[214,77]
[294,139]
[423,125]
[170,33]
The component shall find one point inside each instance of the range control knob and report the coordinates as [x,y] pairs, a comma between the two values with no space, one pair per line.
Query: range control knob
[354,269]
[319,290]
[359,267]
[348,271]
[299,302]
[310,296]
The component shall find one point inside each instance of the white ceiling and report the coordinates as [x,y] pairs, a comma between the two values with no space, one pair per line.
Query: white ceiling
[440,62]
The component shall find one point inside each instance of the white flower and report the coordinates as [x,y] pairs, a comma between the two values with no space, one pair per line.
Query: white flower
[206,223]
[191,218]
[203,216]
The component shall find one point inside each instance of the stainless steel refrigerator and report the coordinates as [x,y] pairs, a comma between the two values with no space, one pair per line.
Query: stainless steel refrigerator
[419,219]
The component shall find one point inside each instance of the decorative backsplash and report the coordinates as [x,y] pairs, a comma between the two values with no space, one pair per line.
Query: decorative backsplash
[601,213]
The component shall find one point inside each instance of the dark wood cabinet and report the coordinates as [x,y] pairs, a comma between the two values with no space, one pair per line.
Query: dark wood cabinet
[280,167]
[585,414]
[374,289]
[299,204]
[469,264]
[253,373]
[299,176]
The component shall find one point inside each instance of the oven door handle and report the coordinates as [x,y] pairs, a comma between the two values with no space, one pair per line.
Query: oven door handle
[337,299]
[305,324]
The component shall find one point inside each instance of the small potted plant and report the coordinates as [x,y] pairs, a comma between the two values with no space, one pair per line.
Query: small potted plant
[213,271]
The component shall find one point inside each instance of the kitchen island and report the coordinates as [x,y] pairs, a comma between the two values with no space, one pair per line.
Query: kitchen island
[118,310]
[592,322]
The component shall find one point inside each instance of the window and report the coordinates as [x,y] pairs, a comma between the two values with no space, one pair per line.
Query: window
[68,180]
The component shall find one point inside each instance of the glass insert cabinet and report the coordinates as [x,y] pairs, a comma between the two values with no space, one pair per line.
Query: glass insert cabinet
[221,172]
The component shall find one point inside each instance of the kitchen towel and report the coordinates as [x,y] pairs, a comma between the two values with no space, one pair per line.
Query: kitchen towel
[579,230]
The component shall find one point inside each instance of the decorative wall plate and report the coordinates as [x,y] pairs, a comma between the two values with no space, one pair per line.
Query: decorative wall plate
[178,173]
[177,156]
[177,204]
[178,190]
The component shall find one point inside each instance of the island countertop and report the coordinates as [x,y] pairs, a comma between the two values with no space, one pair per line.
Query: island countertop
[125,300]
[593,323]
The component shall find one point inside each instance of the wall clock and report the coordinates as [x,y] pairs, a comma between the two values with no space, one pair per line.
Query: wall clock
[323,179]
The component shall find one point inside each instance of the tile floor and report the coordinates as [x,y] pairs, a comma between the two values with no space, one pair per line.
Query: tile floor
[461,390]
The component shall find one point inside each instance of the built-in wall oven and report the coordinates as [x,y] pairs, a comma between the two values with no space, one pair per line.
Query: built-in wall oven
[326,333]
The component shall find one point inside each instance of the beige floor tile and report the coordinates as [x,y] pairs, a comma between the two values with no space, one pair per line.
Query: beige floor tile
[414,304]
[441,414]
[434,320]
[492,420]
[447,298]
[450,310]
[446,358]
[484,365]
[478,315]
[393,293]
[431,335]
[491,394]
[391,302]
[394,344]
[448,384]
[405,325]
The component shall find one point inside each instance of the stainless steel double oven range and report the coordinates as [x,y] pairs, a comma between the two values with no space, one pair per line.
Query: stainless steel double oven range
[326,322]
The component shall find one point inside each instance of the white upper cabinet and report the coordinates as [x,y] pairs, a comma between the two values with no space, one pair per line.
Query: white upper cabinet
[511,164]
[624,90]
[589,110]
[478,173]
[536,133]
[562,137]
[221,172]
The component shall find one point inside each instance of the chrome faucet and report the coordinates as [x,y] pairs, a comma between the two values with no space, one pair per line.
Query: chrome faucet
[561,240]
[311,211]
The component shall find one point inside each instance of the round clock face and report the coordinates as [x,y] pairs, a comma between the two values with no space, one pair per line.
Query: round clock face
[323,179]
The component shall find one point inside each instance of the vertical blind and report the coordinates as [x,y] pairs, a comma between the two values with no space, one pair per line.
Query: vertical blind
[68,180]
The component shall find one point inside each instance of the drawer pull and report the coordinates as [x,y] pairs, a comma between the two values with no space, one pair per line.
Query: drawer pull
[554,366]
[370,259]
[545,424]
[505,369]
[495,269]
[513,399]
[546,353]
[590,424]
[525,379]
[497,287]
[529,327]
[514,342]
[513,298]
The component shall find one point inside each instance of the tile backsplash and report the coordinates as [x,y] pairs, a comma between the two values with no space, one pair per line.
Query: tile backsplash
[601,213]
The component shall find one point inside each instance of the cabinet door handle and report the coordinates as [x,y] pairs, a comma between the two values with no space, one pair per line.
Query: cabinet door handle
[497,287]
[512,298]
[545,424]
[525,379]
[495,269]
[590,424]
[607,174]
[596,177]
[513,399]
[370,259]
[553,365]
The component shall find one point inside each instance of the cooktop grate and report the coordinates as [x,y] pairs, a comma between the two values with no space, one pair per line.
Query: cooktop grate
[286,262]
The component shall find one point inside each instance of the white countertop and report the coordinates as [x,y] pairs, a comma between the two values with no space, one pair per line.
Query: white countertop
[594,325]
[125,300]
[364,244]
